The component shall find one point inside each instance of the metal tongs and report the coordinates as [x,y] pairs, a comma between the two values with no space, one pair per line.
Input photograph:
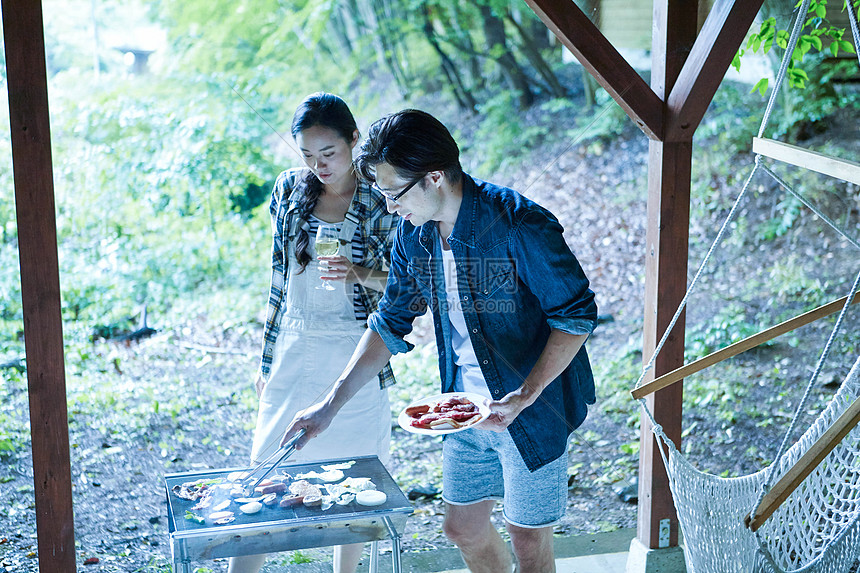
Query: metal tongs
[284,451]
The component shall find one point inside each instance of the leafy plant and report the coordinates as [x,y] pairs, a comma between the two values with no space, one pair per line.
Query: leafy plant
[817,30]
[606,120]
[808,73]
[503,135]
[727,326]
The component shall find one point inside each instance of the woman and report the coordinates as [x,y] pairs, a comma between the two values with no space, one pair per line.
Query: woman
[310,332]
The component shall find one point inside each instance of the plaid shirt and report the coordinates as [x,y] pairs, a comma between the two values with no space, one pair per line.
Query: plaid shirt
[376,229]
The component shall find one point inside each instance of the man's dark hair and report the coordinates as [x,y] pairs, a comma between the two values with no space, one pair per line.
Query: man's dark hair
[413,143]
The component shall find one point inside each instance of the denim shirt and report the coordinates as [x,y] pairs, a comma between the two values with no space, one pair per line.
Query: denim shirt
[517,280]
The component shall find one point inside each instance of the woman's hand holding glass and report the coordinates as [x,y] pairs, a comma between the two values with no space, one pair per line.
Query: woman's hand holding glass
[326,246]
[337,268]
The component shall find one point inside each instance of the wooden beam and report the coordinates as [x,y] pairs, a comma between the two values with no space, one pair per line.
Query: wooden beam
[665,284]
[843,169]
[804,466]
[602,60]
[741,346]
[669,178]
[717,43]
[40,281]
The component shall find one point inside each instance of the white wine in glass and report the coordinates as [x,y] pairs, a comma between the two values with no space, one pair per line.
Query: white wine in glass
[326,246]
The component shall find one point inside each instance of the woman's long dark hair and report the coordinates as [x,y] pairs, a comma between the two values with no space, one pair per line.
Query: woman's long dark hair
[326,110]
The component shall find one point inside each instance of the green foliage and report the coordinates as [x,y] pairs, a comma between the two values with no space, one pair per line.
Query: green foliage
[149,177]
[727,326]
[788,211]
[502,135]
[297,557]
[812,97]
[614,376]
[417,374]
[789,282]
[14,422]
[605,122]
[731,121]
[817,31]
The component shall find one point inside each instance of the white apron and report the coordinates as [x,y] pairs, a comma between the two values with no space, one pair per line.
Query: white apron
[318,334]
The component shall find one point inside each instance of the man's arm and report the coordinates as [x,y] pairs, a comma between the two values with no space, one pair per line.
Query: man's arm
[560,349]
[369,357]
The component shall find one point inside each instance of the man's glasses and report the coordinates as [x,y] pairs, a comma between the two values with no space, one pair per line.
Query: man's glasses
[394,198]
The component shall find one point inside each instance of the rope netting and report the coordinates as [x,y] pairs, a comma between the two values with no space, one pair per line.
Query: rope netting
[817,529]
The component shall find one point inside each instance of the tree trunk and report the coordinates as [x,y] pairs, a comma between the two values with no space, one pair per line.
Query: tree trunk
[366,10]
[461,92]
[465,38]
[589,87]
[590,8]
[537,30]
[494,31]
[538,63]
[341,30]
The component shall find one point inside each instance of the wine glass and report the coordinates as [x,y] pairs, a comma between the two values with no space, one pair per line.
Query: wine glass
[326,246]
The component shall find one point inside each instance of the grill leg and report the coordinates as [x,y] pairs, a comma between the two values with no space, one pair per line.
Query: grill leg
[181,562]
[395,545]
[374,557]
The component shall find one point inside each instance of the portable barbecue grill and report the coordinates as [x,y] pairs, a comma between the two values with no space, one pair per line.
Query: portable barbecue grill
[277,529]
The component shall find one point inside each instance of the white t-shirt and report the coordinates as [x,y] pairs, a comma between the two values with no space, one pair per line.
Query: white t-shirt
[469,375]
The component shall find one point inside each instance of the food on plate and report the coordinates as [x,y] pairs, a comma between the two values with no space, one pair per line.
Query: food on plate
[291,500]
[370,497]
[312,500]
[251,508]
[416,411]
[456,411]
[273,487]
[270,499]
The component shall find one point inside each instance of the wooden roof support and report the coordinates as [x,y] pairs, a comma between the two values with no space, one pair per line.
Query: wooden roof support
[667,234]
[40,281]
[805,466]
[602,60]
[721,35]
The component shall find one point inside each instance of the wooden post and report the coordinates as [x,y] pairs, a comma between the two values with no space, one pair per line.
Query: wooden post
[40,281]
[669,172]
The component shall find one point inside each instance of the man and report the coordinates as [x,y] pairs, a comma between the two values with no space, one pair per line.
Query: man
[511,311]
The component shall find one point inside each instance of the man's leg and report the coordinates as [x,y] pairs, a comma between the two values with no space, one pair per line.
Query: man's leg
[346,557]
[246,563]
[533,549]
[480,544]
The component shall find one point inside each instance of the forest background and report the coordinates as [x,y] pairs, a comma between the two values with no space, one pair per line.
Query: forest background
[170,121]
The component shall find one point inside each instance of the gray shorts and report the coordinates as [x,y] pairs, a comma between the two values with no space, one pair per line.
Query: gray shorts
[479,465]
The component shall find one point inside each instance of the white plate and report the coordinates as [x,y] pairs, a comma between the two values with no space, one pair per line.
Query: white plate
[480,401]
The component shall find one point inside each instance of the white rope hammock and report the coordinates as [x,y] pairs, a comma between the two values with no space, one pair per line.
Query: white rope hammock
[817,528]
